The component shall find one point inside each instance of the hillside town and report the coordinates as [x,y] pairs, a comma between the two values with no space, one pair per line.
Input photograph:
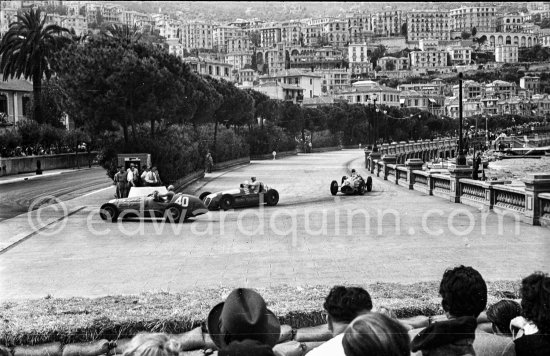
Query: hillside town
[407,58]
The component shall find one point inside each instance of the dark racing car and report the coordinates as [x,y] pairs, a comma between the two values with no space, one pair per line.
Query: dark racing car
[351,185]
[181,206]
[240,198]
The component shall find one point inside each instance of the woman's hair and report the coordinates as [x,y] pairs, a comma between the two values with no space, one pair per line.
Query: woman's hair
[502,312]
[376,334]
[152,344]
[535,297]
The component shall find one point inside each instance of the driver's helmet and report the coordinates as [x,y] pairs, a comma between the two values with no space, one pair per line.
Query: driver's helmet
[353,171]
[253,179]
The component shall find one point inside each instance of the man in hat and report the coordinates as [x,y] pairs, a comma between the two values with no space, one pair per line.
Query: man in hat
[242,325]
[254,185]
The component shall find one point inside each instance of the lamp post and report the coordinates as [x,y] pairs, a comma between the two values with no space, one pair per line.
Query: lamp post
[460,158]
[375,147]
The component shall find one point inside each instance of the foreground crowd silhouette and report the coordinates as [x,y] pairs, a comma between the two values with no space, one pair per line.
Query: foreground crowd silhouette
[243,325]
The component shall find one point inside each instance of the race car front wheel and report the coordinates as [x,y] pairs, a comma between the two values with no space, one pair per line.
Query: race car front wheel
[173,213]
[204,195]
[227,201]
[334,187]
[369,184]
[108,212]
[272,197]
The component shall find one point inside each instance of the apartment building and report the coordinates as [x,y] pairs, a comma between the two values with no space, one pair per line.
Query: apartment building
[510,23]
[470,89]
[270,35]
[309,82]
[532,84]
[392,63]
[357,53]
[465,18]
[197,34]
[334,80]
[388,23]
[222,34]
[428,24]
[460,55]
[428,59]
[506,53]
[363,92]
[291,33]
[239,59]
[311,34]
[215,69]
[501,89]
[7,16]
[238,44]
[336,32]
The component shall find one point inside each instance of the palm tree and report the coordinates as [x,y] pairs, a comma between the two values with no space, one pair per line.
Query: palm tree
[124,33]
[26,50]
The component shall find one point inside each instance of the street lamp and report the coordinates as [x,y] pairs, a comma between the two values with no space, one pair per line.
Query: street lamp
[375,147]
[460,158]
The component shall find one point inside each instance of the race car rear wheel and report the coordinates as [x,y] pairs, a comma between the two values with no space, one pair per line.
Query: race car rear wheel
[108,212]
[334,187]
[369,184]
[227,201]
[173,213]
[272,197]
[204,195]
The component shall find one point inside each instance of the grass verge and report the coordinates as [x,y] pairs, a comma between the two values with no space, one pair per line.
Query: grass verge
[37,321]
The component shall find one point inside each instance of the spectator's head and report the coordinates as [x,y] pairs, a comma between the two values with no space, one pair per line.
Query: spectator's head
[132,165]
[463,292]
[120,168]
[353,171]
[152,344]
[243,315]
[501,313]
[535,300]
[343,304]
[376,334]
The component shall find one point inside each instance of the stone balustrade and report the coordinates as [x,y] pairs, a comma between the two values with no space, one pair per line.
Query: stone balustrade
[531,203]
[425,150]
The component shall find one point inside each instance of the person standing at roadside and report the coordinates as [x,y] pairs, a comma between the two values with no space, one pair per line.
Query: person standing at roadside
[146,176]
[120,182]
[156,177]
[132,177]
[209,162]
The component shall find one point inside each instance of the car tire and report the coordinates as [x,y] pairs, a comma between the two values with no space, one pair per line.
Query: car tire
[369,184]
[334,187]
[227,201]
[272,197]
[108,211]
[361,190]
[204,195]
[173,213]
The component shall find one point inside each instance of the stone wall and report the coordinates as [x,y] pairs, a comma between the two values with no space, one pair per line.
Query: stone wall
[17,165]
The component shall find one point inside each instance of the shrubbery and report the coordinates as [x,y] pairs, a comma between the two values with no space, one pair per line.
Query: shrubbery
[324,139]
[230,145]
[270,138]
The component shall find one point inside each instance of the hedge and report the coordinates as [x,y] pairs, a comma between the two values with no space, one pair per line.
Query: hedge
[70,320]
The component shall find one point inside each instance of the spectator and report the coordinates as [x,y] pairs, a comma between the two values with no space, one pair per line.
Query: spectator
[376,334]
[146,176]
[243,325]
[343,304]
[501,313]
[152,344]
[156,177]
[132,176]
[120,182]
[533,337]
[209,163]
[464,297]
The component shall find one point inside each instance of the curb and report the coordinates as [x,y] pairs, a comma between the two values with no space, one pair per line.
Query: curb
[26,236]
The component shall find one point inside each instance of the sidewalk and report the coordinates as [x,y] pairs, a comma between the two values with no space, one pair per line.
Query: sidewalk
[27,176]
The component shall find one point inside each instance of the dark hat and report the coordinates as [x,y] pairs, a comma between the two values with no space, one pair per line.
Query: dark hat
[246,348]
[244,315]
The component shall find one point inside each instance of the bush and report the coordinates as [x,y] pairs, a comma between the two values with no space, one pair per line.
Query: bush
[9,140]
[270,138]
[230,145]
[324,139]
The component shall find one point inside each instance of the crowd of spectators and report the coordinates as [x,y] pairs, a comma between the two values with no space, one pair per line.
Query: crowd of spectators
[39,150]
[125,179]
[243,325]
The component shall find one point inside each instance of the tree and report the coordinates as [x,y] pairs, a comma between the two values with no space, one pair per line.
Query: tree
[404,30]
[27,49]
[465,35]
[255,38]
[474,31]
[390,65]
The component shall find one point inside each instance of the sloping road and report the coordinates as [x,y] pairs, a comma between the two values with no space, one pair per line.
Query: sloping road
[16,197]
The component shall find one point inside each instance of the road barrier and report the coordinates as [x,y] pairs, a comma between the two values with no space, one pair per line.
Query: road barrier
[28,164]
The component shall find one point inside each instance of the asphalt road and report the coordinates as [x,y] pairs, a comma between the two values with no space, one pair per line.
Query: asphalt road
[310,238]
[16,197]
